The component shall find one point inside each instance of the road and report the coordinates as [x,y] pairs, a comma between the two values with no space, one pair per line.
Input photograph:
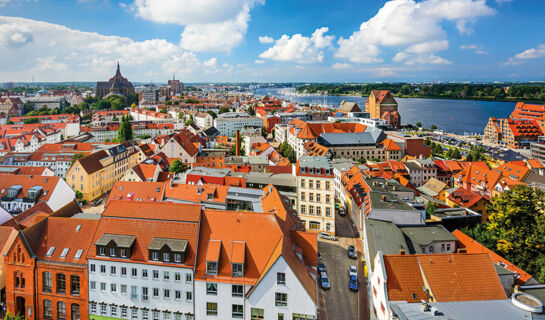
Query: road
[339,302]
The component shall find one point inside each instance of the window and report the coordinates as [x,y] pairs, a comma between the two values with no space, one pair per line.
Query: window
[189,296]
[212,288]
[102,251]
[103,269]
[327,185]
[188,277]
[102,308]
[311,184]
[123,271]
[177,294]
[50,252]
[327,198]
[311,196]
[93,307]
[134,272]
[134,292]
[123,253]
[166,315]
[61,283]
[257,314]
[212,268]
[113,310]
[166,293]
[314,225]
[112,252]
[318,197]
[328,212]
[237,290]
[103,286]
[280,278]
[303,209]
[74,285]
[166,275]
[144,273]
[156,292]
[155,274]
[75,311]
[177,276]
[311,210]
[211,309]
[47,281]
[113,287]
[64,252]
[442,247]
[318,184]
[237,311]
[48,309]
[145,293]
[237,270]
[134,313]
[177,257]
[303,196]
[112,270]
[93,285]
[302,183]
[155,255]
[92,267]
[78,254]
[281,299]
[280,316]
[61,310]
[123,289]
[144,314]
[318,210]
[166,256]
[124,312]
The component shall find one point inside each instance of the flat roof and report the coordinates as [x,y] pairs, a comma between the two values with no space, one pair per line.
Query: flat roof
[316,162]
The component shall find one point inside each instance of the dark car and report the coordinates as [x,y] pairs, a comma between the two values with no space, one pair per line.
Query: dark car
[353,283]
[341,212]
[352,252]
[321,267]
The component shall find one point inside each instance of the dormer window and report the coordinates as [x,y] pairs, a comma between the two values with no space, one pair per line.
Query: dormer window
[102,251]
[177,257]
[155,255]
[238,255]
[166,256]
[211,268]
[213,256]
[123,253]
[237,270]
[112,252]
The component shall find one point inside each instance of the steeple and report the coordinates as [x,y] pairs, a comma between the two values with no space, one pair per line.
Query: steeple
[173,77]
[118,71]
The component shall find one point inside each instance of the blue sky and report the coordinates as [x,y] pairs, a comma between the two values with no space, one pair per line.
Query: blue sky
[273,40]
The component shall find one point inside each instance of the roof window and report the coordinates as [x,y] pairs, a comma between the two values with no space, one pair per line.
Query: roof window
[64,252]
[50,252]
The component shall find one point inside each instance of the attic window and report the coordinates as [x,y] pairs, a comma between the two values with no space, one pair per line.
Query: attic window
[64,252]
[78,227]
[50,252]
[78,254]
[157,190]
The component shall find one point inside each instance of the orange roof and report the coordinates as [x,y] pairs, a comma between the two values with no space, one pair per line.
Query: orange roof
[390,145]
[136,191]
[536,164]
[465,198]
[145,171]
[449,277]
[153,210]
[472,246]
[47,183]
[514,170]
[213,250]
[239,252]
[461,277]
[197,193]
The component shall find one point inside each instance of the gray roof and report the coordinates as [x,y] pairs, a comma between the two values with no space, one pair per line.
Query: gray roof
[178,245]
[121,240]
[380,184]
[467,310]
[502,270]
[279,179]
[537,291]
[391,201]
[383,236]
[343,164]
[316,162]
[425,235]
[371,136]
[211,172]
[251,160]
[412,166]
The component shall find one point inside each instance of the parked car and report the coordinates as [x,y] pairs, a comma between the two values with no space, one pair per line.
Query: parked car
[321,267]
[353,283]
[97,202]
[353,271]
[324,281]
[352,254]
[341,212]
[327,236]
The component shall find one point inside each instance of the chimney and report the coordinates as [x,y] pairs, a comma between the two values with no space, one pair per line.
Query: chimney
[237,143]
[401,252]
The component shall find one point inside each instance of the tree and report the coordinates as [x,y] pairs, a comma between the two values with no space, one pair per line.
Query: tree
[251,111]
[223,110]
[430,209]
[10,316]
[76,157]
[115,118]
[31,120]
[28,107]
[419,124]
[476,154]
[212,113]
[190,121]
[168,102]
[178,167]
[79,195]
[9,121]
[125,129]
[163,110]
[433,127]
[515,229]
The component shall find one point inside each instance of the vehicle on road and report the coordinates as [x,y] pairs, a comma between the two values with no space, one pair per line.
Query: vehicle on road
[321,267]
[97,202]
[324,281]
[353,283]
[327,236]
[353,271]
[341,212]
[352,252]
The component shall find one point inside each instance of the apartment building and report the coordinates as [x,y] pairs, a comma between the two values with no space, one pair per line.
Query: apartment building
[95,174]
[228,123]
[513,133]
[141,263]
[316,193]
[183,145]
[420,171]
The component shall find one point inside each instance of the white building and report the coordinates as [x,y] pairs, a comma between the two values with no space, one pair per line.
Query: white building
[228,123]
[420,171]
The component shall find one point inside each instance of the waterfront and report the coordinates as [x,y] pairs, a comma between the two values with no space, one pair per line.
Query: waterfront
[456,116]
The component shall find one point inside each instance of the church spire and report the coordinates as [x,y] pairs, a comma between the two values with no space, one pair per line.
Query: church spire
[118,71]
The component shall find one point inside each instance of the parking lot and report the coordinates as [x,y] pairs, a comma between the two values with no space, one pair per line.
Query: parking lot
[339,302]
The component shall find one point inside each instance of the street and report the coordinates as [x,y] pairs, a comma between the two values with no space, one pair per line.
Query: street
[339,302]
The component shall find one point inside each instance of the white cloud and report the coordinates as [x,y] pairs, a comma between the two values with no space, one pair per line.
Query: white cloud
[410,24]
[298,48]
[468,46]
[210,25]
[259,61]
[266,39]
[35,47]
[532,53]
[477,49]
[340,66]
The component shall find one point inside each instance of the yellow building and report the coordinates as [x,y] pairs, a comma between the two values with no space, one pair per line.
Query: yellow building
[95,174]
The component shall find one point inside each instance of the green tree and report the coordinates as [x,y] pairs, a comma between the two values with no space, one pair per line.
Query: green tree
[430,209]
[163,110]
[31,120]
[189,121]
[419,124]
[477,153]
[212,113]
[76,157]
[168,102]
[433,127]
[223,110]
[178,167]
[10,316]
[28,107]
[125,129]
[79,195]
[251,111]
[115,118]
[9,121]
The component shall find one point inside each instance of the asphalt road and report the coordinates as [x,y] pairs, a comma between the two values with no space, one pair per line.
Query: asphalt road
[338,302]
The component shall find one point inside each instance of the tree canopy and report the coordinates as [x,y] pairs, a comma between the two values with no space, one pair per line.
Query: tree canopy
[178,167]
[125,129]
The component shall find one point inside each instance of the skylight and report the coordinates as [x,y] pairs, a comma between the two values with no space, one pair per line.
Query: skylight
[78,227]
[64,252]
[50,251]
[78,254]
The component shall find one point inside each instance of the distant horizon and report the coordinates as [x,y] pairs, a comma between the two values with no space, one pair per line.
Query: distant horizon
[285,82]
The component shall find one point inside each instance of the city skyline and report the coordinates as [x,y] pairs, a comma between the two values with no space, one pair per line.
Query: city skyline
[266,41]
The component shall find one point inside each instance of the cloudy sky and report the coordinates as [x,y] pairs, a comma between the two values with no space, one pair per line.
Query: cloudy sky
[273,40]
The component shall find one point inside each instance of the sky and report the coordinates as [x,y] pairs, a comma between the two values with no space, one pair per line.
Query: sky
[273,40]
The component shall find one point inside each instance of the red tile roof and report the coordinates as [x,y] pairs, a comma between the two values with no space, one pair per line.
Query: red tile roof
[136,191]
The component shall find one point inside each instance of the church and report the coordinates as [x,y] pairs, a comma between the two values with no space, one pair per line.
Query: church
[116,85]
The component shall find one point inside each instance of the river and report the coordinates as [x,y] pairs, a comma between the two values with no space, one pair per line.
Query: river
[456,116]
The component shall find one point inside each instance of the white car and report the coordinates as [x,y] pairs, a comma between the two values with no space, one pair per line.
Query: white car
[327,236]
[353,271]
